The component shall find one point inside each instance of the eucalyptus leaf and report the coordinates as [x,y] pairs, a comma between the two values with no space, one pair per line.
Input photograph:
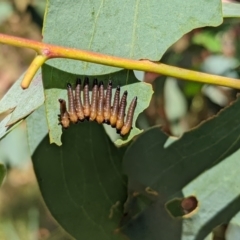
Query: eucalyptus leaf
[231,10]
[233,229]
[21,102]
[148,162]
[130,29]
[37,128]
[218,197]
[17,139]
[4,129]
[82,183]
[6,10]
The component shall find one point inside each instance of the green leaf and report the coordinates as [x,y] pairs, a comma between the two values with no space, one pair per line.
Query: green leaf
[210,187]
[51,78]
[168,169]
[130,29]
[231,10]
[6,10]
[21,102]
[4,129]
[2,173]
[209,40]
[37,128]
[17,140]
[81,181]
[233,229]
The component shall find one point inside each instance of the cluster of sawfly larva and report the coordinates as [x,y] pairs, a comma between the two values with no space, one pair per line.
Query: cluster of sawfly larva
[100,108]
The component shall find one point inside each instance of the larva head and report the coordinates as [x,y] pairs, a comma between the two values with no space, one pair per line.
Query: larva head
[95,82]
[100,83]
[101,89]
[110,83]
[86,81]
[134,100]
[69,85]
[78,81]
[62,105]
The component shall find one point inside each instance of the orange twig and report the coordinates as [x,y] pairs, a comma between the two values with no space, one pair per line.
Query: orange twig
[47,51]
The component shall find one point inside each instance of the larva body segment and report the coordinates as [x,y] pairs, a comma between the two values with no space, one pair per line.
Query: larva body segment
[129,119]
[115,107]
[100,117]
[64,117]
[86,101]
[93,113]
[71,105]
[100,108]
[78,100]
[121,112]
[107,102]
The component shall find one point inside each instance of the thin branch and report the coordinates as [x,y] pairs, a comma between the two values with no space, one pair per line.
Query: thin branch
[53,51]
[37,62]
